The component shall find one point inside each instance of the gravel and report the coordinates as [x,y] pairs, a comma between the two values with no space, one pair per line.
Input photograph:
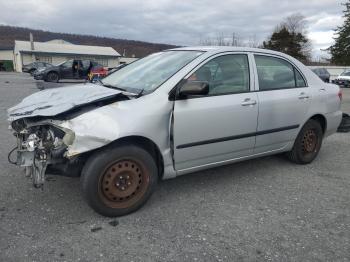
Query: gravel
[266,209]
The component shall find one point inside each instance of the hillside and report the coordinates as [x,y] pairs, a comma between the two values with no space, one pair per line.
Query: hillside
[8,35]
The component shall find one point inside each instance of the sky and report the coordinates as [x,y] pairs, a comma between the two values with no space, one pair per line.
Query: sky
[175,22]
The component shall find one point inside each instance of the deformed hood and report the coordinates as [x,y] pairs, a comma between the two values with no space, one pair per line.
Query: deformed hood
[54,101]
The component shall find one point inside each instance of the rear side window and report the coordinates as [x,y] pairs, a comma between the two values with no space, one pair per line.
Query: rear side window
[300,82]
[276,73]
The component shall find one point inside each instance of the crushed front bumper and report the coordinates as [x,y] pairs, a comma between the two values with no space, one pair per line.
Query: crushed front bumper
[37,147]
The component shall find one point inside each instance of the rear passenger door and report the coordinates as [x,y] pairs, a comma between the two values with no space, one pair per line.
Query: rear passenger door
[284,101]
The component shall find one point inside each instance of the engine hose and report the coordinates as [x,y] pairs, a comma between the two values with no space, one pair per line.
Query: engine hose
[9,156]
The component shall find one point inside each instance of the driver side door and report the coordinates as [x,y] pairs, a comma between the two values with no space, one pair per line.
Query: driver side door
[220,126]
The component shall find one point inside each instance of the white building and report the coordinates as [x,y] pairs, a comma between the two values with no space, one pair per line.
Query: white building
[6,59]
[58,51]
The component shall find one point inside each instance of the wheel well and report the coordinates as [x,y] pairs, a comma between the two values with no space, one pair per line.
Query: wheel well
[50,72]
[322,120]
[146,144]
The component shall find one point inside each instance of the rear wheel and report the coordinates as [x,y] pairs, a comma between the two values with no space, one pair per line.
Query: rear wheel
[52,77]
[119,180]
[307,144]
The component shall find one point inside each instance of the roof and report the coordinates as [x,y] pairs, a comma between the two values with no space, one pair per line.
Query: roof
[58,41]
[219,49]
[64,48]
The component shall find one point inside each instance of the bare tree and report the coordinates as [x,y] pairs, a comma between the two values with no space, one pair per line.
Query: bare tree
[295,23]
[223,40]
[253,42]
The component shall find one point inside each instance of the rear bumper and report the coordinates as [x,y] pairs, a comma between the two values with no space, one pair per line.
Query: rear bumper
[333,122]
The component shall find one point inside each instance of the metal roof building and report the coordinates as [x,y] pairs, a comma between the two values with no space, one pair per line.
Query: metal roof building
[58,51]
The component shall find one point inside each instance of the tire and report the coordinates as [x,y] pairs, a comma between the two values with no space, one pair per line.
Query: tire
[52,77]
[118,181]
[344,126]
[307,144]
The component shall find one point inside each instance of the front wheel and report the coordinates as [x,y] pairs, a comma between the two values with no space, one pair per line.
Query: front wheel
[307,144]
[118,181]
[52,77]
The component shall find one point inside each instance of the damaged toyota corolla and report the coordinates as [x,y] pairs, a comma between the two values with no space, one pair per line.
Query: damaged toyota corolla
[172,113]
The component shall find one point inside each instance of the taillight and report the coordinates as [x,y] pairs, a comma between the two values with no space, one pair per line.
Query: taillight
[340,94]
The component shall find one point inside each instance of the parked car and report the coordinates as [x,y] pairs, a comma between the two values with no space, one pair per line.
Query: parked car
[343,79]
[323,74]
[32,67]
[99,72]
[71,69]
[170,114]
[96,73]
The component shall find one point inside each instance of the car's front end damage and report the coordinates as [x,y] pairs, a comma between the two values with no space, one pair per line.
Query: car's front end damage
[52,131]
[39,146]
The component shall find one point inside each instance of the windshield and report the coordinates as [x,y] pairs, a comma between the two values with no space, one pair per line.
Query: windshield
[345,73]
[150,72]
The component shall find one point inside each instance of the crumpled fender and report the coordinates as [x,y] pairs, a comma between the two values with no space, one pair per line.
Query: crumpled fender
[92,130]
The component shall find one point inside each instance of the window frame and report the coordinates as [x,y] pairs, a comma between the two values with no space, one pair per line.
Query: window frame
[295,69]
[207,60]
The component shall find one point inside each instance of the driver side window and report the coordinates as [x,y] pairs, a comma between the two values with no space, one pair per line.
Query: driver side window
[68,64]
[227,74]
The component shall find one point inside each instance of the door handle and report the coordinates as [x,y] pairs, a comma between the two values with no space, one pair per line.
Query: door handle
[322,89]
[248,102]
[303,96]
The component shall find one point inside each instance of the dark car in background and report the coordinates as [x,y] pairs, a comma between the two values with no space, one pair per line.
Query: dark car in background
[323,74]
[32,67]
[71,69]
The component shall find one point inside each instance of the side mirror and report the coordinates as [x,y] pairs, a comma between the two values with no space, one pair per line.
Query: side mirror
[194,88]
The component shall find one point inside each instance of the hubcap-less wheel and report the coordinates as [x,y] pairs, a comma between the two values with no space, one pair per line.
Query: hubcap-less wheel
[309,141]
[123,184]
[307,144]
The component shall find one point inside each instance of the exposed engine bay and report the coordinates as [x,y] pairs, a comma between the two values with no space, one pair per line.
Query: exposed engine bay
[39,146]
[43,140]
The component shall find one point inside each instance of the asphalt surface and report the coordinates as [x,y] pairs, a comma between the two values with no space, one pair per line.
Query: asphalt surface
[266,209]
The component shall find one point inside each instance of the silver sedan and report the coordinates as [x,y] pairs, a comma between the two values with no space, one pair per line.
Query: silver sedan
[173,113]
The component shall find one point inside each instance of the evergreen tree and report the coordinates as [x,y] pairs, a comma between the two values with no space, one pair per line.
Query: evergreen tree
[290,38]
[340,51]
[290,43]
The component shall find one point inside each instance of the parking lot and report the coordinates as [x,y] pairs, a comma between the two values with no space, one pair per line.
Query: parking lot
[266,209]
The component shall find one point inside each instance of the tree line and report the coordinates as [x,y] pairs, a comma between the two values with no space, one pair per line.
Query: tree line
[290,37]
